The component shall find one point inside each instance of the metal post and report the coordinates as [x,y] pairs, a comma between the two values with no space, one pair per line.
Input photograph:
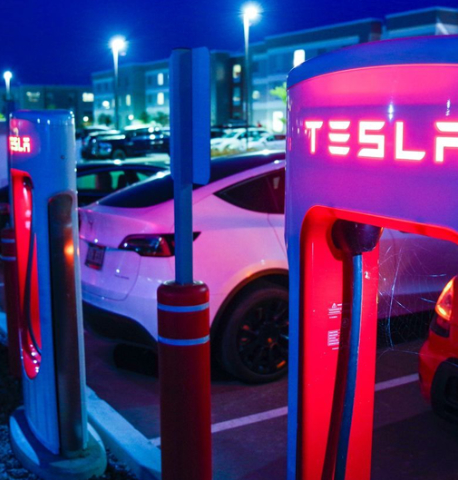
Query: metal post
[183,305]
[246,31]
[115,86]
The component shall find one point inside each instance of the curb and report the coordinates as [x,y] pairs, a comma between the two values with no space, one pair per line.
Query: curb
[126,443]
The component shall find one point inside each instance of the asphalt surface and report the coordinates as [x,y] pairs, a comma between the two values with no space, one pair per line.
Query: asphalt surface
[250,422]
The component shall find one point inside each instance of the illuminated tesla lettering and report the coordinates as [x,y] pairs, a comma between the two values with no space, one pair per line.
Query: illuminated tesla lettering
[339,137]
[368,139]
[371,139]
[401,154]
[20,144]
[445,142]
[312,127]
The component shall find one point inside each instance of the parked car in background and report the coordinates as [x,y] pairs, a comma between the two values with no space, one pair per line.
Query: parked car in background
[438,366]
[238,140]
[82,133]
[273,141]
[86,141]
[94,181]
[134,142]
[127,251]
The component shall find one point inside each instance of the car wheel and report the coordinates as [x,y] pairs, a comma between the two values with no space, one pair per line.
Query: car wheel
[254,344]
[119,154]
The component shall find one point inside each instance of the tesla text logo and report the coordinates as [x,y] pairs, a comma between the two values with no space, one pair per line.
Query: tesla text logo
[20,144]
[371,139]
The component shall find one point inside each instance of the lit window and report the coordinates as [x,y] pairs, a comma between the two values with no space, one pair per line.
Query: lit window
[256,94]
[106,104]
[160,79]
[128,100]
[236,71]
[160,98]
[299,57]
[88,97]
[33,97]
[236,97]
[277,121]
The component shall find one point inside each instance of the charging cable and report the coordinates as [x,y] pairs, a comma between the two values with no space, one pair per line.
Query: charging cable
[354,239]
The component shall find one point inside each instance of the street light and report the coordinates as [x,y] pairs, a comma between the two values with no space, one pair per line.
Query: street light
[117,44]
[250,13]
[7,76]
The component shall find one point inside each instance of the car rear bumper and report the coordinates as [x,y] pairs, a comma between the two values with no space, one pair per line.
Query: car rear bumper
[115,326]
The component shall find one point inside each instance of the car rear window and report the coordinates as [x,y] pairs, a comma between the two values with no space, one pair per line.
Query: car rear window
[159,188]
[152,191]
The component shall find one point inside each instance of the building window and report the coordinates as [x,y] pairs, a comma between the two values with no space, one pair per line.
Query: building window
[236,72]
[277,121]
[299,57]
[160,79]
[160,98]
[88,97]
[256,95]
[149,99]
[236,97]
[128,100]
[33,97]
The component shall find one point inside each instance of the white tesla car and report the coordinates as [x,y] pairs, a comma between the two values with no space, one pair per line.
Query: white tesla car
[127,251]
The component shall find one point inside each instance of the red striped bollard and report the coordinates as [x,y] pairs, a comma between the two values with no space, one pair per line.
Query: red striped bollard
[12,301]
[184,379]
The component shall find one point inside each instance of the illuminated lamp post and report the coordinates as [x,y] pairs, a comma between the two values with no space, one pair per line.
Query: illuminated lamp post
[118,45]
[250,13]
[7,76]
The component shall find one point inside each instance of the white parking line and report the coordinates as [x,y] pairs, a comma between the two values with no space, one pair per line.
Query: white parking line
[282,411]
[396,382]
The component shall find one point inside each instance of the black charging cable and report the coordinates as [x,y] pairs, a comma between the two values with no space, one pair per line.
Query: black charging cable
[28,278]
[354,239]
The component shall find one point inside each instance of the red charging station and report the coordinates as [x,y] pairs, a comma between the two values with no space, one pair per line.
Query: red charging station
[372,140]
[50,434]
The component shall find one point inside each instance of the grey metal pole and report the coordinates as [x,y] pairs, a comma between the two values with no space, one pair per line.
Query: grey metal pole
[115,86]
[246,30]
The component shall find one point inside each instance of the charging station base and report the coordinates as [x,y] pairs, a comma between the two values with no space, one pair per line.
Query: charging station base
[39,460]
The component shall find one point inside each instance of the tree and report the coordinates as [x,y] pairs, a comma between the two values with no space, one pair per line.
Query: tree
[104,119]
[145,117]
[279,92]
[161,118]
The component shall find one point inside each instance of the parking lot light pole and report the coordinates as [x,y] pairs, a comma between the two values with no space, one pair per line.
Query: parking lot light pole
[7,76]
[250,13]
[117,44]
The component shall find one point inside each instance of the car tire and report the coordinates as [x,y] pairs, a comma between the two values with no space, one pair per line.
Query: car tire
[254,343]
[118,154]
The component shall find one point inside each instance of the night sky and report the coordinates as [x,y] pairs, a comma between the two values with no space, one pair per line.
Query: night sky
[64,41]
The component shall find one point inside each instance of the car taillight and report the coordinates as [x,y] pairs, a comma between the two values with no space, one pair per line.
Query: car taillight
[153,245]
[441,321]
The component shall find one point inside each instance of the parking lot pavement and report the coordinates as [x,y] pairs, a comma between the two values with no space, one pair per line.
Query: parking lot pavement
[250,421]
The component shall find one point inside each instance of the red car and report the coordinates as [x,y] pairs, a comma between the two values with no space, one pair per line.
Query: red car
[438,366]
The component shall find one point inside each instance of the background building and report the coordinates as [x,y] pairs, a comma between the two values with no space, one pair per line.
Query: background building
[271,60]
[78,99]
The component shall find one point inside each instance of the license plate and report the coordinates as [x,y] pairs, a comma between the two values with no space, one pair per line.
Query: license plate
[95,256]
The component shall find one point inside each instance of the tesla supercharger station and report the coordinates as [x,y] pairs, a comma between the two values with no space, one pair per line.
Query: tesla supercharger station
[372,140]
[50,434]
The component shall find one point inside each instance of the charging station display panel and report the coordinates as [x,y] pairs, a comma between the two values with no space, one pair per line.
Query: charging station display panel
[374,129]
[372,138]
